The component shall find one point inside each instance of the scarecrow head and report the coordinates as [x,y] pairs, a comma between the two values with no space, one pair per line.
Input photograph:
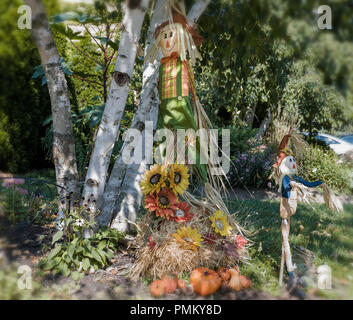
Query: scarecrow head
[175,36]
[285,160]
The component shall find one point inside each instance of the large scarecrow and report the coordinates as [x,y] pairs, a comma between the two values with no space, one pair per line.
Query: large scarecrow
[176,235]
[290,186]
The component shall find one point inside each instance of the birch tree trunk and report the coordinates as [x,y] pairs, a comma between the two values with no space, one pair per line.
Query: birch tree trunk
[148,99]
[264,125]
[108,130]
[63,138]
[250,115]
[123,196]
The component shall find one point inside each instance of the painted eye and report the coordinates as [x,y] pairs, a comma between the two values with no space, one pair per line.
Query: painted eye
[171,34]
[290,160]
[165,36]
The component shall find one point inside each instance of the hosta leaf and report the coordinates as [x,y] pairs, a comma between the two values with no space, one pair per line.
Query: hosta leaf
[54,252]
[77,275]
[85,264]
[57,236]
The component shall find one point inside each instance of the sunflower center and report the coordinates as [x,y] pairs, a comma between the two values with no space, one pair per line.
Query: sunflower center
[155,178]
[179,213]
[163,201]
[219,224]
[177,177]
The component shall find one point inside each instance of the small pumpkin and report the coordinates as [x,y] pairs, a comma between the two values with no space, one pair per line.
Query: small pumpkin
[188,290]
[224,274]
[245,282]
[181,283]
[205,281]
[157,288]
[234,281]
[170,282]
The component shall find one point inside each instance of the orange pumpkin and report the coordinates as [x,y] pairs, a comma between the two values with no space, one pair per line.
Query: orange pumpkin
[205,281]
[157,288]
[245,282]
[188,290]
[181,283]
[170,282]
[234,281]
[224,274]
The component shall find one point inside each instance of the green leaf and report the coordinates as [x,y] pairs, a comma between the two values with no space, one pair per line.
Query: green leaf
[49,264]
[71,15]
[54,252]
[38,72]
[96,255]
[47,121]
[85,264]
[44,81]
[57,236]
[63,268]
[77,275]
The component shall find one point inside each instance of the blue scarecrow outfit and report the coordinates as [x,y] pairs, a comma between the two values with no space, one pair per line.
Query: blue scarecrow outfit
[289,186]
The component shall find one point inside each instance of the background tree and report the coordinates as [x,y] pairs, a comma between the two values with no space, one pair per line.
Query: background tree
[64,154]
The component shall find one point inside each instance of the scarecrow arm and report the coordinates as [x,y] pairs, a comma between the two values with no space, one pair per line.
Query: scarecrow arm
[307,183]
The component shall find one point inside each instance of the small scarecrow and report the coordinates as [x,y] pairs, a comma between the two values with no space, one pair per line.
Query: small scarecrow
[290,186]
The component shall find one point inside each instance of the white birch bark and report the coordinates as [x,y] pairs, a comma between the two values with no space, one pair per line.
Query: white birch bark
[264,125]
[63,138]
[149,98]
[123,196]
[110,124]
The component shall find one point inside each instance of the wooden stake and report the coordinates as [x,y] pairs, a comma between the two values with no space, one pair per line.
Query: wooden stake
[282,268]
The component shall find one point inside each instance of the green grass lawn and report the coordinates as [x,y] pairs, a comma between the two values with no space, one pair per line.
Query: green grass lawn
[329,235]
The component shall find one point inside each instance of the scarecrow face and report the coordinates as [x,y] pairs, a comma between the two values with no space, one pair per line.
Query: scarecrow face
[288,166]
[169,41]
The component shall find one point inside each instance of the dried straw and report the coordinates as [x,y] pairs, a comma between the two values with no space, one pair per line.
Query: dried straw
[306,195]
[169,255]
[332,202]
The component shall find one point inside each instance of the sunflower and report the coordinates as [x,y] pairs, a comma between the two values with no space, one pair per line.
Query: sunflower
[182,214]
[220,223]
[164,203]
[188,237]
[153,179]
[178,178]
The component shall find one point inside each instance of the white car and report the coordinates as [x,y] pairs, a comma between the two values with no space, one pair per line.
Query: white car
[338,145]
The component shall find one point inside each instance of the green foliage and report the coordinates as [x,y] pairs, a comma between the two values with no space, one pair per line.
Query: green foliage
[251,168]
[89,62]
[251,161]
[323,165]
[9,286]
[24,104]
[74,255]
[260,55]
[20,203]
[241,139]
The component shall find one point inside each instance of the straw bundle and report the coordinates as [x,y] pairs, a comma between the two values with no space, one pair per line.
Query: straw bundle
[169,255]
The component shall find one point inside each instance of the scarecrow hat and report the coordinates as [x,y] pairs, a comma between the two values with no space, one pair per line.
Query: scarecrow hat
[177,15]
[173,12]
[283,150]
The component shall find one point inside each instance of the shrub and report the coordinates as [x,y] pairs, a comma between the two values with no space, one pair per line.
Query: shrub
[251,168]
[74,254]
[24,104]
[323,165]
[23,202]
